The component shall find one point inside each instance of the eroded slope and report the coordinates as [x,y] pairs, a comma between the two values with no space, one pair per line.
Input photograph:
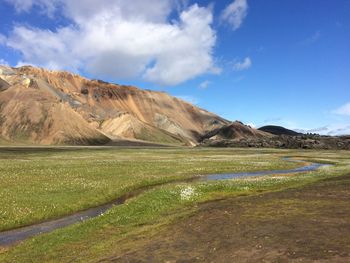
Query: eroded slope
[50,107]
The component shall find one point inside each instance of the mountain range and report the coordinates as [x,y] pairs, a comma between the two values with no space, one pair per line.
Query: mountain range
[43,107]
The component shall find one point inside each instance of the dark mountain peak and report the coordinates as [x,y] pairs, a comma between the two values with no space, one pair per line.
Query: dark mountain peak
[278,130]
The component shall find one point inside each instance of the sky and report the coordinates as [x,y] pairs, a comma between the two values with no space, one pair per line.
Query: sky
[261,62]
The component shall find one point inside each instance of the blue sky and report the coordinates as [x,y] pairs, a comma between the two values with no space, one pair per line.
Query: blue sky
[261,62]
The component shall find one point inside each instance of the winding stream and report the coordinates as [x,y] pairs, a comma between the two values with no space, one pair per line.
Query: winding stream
[307,168]
[12,236]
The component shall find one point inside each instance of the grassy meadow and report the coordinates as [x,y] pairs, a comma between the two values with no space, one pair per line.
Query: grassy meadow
[42,183]
[39,184]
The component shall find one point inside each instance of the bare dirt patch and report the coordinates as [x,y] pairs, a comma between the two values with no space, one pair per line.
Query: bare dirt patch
[310,224]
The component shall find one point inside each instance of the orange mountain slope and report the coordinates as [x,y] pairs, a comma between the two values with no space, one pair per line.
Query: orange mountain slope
[50,107]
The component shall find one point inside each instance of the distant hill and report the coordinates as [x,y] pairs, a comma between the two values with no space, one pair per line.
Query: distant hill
[39,106]
[278,130]
[235,131]
[240,135]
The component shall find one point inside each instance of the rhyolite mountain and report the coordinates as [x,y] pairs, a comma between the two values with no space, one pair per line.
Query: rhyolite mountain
[39,106]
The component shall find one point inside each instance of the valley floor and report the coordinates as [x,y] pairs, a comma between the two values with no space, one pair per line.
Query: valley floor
[308,224]
[290,217]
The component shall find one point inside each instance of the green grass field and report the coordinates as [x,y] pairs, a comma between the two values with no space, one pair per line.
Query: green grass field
[43,183]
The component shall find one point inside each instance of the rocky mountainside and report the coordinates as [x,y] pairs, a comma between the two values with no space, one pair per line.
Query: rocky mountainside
[38,106]
[301,141]
[235,131]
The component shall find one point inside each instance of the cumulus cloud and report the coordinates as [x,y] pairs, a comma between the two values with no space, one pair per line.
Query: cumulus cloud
[235,13]
[242,65]
[44,47]
[343,110]
[121,39]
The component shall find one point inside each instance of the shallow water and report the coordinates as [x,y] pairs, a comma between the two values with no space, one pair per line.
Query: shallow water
[12,236]
[307,168]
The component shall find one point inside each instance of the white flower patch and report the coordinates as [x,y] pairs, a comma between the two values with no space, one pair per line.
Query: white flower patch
[187,193]
[326,167]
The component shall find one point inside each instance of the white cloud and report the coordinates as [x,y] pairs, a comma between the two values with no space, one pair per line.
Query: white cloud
[332,129]
[235,13]
[122,39]
[205,84]
[319,130]
[136,10]
[243,65]
[343,110]
[251,125]
[21,5]
[45,48]
[340,130]
[47,6]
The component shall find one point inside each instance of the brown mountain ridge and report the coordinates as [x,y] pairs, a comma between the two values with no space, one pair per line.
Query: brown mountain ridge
[39,106]
[42,107]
